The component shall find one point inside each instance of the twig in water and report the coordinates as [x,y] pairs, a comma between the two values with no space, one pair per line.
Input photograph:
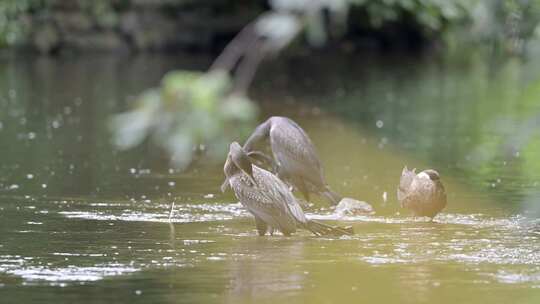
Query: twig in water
[171,212]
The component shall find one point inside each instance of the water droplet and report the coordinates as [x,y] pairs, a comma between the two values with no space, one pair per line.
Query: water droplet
[385,196]
[379,124]
[171,184]
[516,154]
[132,171]
[31,135]
[29,176]
[56,124]
[13,187]
[209,195]
[43,186]
[138,292]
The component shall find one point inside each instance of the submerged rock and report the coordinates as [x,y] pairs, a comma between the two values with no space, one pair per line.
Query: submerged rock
[46,38]
[350,207]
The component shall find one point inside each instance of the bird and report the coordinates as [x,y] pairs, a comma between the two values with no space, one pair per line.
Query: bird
[268,198]
[422,193]
[295,158]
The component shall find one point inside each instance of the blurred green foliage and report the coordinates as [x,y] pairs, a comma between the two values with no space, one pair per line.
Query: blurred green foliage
[198,109]
[14,22]
[190,112]
[506,23]
[193,112]
[432,15]
[510,26]
[19,18]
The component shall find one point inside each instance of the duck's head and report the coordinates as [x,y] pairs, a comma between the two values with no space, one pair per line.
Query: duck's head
[432,174]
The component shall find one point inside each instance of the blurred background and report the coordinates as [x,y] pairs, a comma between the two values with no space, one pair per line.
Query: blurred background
[111,110]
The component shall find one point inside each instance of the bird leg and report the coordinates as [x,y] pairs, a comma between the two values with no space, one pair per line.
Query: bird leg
[302,187]
[261,226]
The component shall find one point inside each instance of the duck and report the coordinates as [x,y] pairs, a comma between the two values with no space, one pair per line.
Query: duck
[422,193]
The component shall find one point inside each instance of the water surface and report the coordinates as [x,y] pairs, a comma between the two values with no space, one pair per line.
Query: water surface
[82,222]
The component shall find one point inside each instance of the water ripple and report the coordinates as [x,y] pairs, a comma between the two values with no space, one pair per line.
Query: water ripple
[72,273]
[188,213]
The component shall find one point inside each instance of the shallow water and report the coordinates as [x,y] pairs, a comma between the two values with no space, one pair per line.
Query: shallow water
[82,222]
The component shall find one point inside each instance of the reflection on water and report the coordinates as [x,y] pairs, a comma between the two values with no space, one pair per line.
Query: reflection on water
[79,219]
[255,274]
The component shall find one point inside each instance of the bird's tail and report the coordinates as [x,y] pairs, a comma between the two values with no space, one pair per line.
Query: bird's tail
[332,196]
[319,228]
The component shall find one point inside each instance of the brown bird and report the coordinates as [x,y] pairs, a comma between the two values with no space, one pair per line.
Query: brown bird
[268,198]
[422,193]
[296,161]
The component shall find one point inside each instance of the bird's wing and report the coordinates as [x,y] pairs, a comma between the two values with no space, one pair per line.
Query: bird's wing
[294,150]
[441,193]
[259,135]
[262,198]
[420,192]
[407,177]
[251,196]
[278,192]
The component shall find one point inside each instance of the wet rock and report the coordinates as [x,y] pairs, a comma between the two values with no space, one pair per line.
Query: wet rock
[73,22]
[350,207]
[96,41]
[46,38]
[129,23]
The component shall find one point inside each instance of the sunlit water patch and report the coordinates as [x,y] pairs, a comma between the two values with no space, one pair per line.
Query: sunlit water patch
[71,273]
[509,277]
[32,269]
[182,213]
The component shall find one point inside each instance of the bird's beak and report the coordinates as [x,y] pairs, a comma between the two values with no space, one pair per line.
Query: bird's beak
[241,159]
[249,171]
[261,158]
[244,163]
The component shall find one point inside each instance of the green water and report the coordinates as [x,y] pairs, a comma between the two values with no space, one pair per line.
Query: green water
[81,222]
